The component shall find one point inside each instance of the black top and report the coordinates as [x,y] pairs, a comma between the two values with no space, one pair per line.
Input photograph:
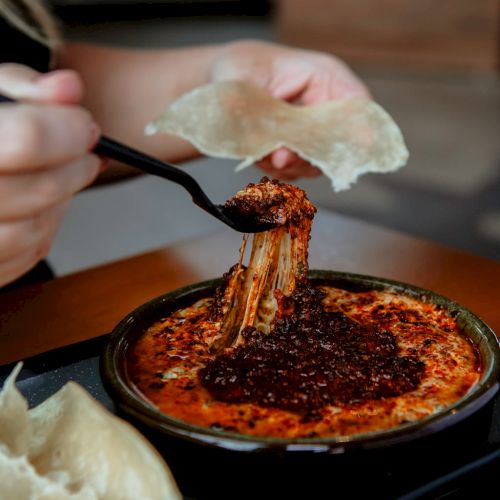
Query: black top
[20,48]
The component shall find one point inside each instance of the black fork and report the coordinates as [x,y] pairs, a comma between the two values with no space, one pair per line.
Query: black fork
[120,152]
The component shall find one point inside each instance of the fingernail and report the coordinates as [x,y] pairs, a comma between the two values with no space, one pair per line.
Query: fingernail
[46,79]
[280,159]
[95,133]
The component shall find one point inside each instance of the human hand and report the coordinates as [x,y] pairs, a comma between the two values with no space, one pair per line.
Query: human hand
[44,161]
[298,76]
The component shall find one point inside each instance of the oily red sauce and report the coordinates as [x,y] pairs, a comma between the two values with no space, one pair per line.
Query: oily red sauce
[338,363]
[312,358]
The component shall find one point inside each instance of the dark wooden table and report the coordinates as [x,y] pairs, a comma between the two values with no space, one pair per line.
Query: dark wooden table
[88,304]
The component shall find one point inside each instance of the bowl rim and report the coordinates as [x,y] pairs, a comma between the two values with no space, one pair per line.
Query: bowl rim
[133,404]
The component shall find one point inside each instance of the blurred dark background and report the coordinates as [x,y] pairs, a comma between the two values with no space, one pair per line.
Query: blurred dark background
[432,65]
[90,11]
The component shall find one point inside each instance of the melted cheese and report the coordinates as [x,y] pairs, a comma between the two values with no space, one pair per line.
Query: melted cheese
[164,364]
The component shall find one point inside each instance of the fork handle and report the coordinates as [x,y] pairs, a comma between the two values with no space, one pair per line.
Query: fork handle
[125,154]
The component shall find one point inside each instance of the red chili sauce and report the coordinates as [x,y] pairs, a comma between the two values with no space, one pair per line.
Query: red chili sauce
[337,363]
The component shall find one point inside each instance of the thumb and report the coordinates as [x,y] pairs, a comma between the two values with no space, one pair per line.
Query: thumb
[21,82]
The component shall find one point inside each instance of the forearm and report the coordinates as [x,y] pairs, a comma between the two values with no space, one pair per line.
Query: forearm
[125,89]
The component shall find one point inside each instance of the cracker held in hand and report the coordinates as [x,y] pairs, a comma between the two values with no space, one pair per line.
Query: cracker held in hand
[70,448]
[239,120]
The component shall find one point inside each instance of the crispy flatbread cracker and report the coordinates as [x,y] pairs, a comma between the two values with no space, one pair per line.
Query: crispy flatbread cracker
[239,120]
[15,432]
[72,448]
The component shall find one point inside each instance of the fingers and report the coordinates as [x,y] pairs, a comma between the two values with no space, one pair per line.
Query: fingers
[282,157]
[21,82]
[24,243]
[332,79]
[44,160]
[36,136]
[28,194]
[307,78]
[298,168]
[13,268]
[32,235]
[286,165]
[326,88]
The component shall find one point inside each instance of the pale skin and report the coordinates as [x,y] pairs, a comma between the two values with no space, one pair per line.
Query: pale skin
[45,152]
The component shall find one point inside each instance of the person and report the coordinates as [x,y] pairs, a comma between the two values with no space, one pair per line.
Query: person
[48,135]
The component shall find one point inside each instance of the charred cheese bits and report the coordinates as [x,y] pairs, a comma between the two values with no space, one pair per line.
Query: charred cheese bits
[273,354]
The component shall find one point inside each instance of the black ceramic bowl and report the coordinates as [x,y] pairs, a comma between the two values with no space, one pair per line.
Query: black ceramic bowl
[197,450]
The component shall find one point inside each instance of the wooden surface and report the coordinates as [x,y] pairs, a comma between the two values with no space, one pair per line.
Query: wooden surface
[88,304]
[459,34]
